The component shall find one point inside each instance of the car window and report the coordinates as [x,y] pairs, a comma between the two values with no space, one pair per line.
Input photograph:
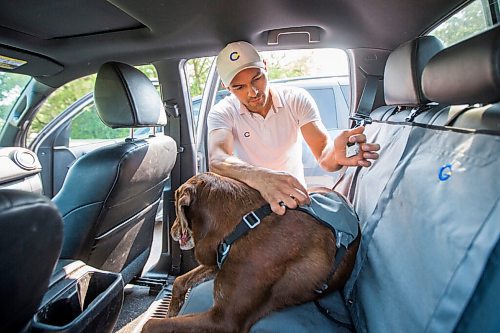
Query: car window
[11,87]
[322,72]
[58,101]
[466,22]
[197,70]
[69,94]
[87,128]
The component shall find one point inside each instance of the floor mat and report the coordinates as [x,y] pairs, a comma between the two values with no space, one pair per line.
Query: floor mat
[136,302]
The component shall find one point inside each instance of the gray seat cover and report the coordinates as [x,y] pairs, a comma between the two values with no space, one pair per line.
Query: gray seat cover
[303,318]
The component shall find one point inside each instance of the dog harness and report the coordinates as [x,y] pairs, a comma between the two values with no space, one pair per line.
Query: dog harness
[330,209]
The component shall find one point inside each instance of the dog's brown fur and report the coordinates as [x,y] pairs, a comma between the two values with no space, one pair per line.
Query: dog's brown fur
[278,264]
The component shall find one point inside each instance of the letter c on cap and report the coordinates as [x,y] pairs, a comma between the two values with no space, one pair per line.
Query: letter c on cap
[234,56]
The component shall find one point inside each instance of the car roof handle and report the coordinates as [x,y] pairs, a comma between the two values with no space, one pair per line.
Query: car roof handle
[312,33]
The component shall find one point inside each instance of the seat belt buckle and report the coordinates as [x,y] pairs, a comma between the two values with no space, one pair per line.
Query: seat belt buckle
[360,120]
[353,148]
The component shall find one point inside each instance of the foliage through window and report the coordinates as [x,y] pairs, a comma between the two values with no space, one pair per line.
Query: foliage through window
[306,63]
[465,23]
[68,94]
[197,70]
[87,128]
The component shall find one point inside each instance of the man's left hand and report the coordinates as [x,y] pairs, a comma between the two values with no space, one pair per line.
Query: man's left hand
[367,150]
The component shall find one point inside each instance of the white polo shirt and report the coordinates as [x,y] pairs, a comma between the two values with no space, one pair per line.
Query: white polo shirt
[273,142]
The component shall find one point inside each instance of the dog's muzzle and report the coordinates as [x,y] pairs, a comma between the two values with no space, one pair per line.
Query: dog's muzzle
[185,240]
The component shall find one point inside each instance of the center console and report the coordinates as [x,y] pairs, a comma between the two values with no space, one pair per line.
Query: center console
[80,298]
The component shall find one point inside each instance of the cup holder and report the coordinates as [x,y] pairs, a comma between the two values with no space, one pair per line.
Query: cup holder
[79,306]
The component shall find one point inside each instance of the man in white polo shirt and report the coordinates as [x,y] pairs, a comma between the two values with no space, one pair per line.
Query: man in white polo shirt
[260,124]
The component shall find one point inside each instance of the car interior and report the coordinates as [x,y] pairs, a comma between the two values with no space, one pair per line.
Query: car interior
[86,243]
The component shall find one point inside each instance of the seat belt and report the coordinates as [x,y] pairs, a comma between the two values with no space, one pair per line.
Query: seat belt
[365,106]
[360,118]
[174,127]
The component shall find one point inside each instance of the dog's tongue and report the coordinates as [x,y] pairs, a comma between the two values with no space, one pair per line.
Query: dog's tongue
[186,241]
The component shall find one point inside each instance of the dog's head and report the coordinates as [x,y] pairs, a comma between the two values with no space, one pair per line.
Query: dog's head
[181,230]
[208,206]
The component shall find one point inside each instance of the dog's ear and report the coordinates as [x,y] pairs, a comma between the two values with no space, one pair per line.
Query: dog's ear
[184,197]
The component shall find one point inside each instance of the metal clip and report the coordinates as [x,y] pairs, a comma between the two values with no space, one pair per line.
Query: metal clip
[251,224]
[360,120]
[222,252]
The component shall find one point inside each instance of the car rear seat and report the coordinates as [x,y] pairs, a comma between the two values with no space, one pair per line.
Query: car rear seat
[407,65]
[405,101]
[430,206]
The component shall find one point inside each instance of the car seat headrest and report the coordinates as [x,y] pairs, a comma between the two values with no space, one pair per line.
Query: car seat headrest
[125,97]
[403,71]
[467,72]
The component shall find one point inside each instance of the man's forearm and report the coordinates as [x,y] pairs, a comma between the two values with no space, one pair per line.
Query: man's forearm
[278,188]
[233,167]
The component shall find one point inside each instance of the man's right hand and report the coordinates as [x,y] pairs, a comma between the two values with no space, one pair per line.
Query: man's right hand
[280,189]
[274,186]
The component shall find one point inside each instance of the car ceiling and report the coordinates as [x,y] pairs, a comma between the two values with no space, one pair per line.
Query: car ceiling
[65,39]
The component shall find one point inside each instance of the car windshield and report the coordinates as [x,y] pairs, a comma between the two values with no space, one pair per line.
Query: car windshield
[11,87]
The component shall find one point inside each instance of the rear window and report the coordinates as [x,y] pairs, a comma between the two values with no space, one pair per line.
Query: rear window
[470,20]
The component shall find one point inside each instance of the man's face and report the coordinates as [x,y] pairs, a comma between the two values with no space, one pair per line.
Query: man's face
[251,88]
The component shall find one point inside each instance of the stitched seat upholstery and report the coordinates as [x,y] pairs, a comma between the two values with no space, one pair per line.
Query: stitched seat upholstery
[110,196]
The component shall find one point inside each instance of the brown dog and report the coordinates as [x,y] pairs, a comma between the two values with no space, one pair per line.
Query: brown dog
[279,263]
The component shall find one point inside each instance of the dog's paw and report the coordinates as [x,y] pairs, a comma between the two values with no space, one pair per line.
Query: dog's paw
[173,308]
[151,326]
[178,297]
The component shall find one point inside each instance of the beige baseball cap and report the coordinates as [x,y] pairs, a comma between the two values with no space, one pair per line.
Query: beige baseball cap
[236,57]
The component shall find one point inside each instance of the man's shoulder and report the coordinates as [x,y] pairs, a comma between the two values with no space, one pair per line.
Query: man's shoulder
[228,104]
[289,91]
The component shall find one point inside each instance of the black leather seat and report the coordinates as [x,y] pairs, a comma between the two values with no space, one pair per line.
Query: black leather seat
[402,81]
[30,243]
[110,196]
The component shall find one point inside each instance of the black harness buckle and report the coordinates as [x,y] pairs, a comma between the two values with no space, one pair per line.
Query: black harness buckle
[251,220]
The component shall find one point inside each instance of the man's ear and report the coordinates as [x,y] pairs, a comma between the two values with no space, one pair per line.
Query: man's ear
[184,197]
